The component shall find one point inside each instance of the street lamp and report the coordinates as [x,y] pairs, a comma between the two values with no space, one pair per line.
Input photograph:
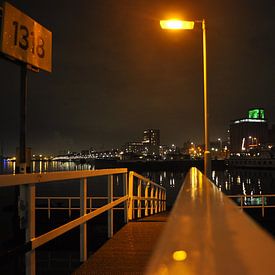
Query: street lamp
[176,24]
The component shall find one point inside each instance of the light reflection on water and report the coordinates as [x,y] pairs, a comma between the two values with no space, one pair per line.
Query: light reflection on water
[171,180]
[239,181]
[8,167]
[245,181]
[231,182]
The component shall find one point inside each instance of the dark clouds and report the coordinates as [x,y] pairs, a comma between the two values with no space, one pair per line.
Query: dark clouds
[116,73]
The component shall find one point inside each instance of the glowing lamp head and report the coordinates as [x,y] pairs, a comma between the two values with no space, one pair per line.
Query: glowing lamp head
[176,24]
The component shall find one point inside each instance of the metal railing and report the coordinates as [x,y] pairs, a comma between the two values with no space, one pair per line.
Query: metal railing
[149,197]
[248,201]
[66,203]
[206,234]
[27,183]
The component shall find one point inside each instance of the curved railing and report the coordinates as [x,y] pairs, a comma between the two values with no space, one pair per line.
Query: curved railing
[150,197]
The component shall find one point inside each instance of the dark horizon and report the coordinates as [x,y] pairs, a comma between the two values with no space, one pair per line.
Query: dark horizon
[116,73]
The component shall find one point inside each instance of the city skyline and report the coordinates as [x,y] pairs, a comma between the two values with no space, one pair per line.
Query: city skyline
[116,73]
[140,140]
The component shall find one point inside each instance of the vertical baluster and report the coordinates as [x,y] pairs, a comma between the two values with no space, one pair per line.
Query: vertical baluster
[263,206]
[139,200]
[156,201]
[165,200]
[125,193]
[91,207]
[83,227]
[110,211]
[159,200]
[152,199]
[70,207]
[30,229]
[131,183]
[162,200]
[49,208]
[146,198]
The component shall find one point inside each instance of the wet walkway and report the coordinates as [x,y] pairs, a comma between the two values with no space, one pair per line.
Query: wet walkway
[129,250]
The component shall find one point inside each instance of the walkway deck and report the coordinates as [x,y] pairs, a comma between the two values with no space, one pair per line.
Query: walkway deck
[129,250]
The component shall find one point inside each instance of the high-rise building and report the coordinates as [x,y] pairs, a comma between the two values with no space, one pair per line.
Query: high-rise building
[151,141]
[271,135]
[248,133]
[135,147]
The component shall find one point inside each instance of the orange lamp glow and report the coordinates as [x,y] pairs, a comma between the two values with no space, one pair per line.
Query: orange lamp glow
[179,255]
[176,24]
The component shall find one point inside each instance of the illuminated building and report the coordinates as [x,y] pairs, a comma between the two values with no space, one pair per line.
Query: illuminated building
[271,135]
[248,133]
[134,147]
[163,151]
[151,141]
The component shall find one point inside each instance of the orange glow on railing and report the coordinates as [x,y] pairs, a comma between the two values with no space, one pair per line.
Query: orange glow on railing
[179,255]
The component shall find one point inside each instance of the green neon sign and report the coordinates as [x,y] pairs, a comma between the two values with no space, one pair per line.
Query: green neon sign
[256,113]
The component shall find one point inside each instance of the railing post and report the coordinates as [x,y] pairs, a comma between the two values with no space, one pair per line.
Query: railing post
[263,206]
[30,229]
[110,211]
[131,184]
[146,198]
[139,200]
[83,227]
[70,205]
[152,200]
[159,200]
[90,204]
[125,193]
[156,201]
[164,200]
[49,208]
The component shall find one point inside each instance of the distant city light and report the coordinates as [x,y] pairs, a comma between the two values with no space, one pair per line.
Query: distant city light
[249,120]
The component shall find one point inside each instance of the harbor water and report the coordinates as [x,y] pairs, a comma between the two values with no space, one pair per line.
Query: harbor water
[61,256]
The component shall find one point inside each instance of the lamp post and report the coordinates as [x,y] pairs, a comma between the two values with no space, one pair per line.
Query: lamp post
[220,140]
[176,24]
[221,150]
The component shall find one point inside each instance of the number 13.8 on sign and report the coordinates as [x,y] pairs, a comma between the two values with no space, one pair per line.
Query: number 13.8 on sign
[27,40]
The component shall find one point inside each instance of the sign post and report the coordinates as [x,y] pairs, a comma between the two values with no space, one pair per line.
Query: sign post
[29,44]
[23,124]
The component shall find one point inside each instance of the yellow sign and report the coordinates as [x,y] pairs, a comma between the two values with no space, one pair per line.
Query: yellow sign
[26,40]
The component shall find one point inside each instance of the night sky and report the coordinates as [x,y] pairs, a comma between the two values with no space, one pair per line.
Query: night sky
[116,73]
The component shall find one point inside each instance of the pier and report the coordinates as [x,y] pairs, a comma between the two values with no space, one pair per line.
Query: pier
[129,199]
[129,250]
[205,230]
[137,196]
